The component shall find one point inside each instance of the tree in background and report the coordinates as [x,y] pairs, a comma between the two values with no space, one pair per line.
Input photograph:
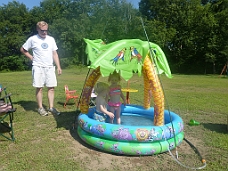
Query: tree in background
[15,20]
[193,26]
[192,33]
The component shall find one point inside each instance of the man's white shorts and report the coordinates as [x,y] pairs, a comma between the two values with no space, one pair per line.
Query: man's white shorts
[44,76]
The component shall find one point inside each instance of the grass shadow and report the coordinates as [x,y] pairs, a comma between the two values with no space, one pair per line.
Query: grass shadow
[66,120]
[27,105]
[68,103]
[219,128]
[60,103]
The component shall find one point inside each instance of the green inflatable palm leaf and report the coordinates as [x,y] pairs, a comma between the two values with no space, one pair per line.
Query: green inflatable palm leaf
[125,56]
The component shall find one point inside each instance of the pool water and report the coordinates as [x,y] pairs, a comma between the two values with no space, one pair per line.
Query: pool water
[131,120]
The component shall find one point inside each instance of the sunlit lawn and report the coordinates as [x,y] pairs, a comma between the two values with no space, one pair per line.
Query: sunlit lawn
[49,143]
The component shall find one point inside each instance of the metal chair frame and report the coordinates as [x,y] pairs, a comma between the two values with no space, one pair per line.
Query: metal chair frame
[7,116]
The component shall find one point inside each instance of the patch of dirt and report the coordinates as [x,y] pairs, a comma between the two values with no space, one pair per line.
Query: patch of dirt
[93,159]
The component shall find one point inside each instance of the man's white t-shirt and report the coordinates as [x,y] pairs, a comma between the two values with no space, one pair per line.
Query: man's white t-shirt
[42,49]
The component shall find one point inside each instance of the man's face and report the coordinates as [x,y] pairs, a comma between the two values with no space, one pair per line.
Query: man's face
[42,31]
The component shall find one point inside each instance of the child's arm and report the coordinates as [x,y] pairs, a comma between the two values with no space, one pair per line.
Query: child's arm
[105,111]
[107,97]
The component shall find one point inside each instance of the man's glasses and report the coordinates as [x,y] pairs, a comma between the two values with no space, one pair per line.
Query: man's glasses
[44,31]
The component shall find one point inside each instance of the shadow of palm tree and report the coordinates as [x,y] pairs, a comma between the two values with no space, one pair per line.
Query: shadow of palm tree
[220,128]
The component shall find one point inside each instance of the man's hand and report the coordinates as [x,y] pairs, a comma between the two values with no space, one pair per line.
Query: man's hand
[59,70]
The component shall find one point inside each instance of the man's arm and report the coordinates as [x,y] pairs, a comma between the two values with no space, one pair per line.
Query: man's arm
[26,53]
[57,63]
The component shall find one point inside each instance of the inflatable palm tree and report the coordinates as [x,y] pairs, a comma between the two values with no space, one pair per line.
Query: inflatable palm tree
[127,57]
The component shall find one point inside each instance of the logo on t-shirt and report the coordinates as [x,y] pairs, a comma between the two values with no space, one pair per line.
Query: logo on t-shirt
[44,45]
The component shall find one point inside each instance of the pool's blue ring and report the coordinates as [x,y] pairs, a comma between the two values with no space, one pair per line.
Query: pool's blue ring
[132,140]
[130,148]
[133,133]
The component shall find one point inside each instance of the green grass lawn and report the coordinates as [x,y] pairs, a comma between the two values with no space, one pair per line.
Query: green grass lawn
[50,143]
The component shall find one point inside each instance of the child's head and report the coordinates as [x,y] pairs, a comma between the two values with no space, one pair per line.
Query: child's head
[100,87]
[114,77]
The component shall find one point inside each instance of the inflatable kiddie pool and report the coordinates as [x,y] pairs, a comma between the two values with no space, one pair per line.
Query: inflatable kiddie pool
[132,140]
[128,57]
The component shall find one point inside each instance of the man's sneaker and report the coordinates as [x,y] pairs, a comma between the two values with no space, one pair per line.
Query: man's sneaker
[42,112]
[54,111]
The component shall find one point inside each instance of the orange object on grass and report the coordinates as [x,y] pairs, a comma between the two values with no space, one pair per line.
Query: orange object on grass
[70,94]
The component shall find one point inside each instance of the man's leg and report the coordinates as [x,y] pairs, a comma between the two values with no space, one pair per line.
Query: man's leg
[39,97]
[51,96]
